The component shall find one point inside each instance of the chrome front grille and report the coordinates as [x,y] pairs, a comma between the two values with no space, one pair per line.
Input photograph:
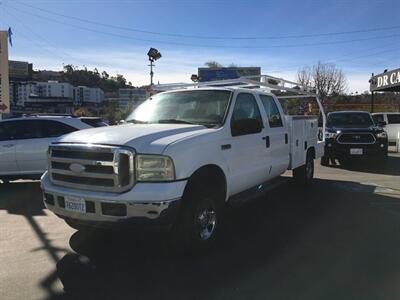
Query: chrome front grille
[92,167]
[356,138]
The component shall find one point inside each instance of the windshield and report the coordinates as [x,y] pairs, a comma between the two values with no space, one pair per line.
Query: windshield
[205,107]
[350,120]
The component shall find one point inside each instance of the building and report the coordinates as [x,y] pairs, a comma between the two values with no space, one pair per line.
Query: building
[135,96]
[84,95]
[20,70]
[212,74]
[53,96]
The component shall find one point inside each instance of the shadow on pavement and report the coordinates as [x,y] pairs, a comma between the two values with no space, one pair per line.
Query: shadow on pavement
[25,199]
[322,243]
[392,167]
[22,198]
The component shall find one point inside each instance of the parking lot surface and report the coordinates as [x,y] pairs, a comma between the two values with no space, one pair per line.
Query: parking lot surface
[338,239]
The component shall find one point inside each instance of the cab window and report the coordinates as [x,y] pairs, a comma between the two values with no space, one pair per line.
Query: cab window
[246,108]
[272,111]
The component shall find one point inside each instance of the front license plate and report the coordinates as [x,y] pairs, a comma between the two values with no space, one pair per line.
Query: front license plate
[75,204]
[356,151]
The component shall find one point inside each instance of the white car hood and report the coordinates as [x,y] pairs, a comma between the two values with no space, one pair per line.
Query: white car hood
[145,138]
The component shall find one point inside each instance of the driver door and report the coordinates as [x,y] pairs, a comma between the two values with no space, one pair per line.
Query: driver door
[248,156]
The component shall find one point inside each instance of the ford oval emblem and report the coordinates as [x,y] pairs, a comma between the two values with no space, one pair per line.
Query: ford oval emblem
[77,168]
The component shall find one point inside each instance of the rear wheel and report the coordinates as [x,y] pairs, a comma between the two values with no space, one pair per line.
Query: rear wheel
[304,174]
[199,218]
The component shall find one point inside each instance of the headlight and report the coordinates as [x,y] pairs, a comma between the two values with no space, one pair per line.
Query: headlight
[382,134]
[154,168]
[330,135]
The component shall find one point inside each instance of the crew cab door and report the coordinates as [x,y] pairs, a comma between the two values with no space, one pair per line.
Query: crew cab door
[246,154]
[8,163]
[277,133]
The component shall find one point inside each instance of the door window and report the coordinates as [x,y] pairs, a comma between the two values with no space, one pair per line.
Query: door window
[246,108]
[55,128]
[8,131]
[246,115]
[28,129]
[272,111]
[378,118]
[393,118]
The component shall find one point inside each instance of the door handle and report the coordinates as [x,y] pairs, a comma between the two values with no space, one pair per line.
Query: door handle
[267,143]
[286,138]
[8,145]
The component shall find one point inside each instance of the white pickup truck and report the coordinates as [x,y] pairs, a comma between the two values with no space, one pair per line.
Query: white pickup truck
[180,159]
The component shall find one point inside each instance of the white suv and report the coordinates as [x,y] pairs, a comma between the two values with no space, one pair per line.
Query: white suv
[392,126]
[24,142]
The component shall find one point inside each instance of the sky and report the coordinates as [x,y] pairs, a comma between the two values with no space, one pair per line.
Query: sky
[358,36]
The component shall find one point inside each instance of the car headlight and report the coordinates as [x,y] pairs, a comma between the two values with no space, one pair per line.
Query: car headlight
[330,135]
[382,134]
[154,168]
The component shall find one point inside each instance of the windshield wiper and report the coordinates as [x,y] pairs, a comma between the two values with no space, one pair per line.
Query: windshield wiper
[136,121]
[174,121]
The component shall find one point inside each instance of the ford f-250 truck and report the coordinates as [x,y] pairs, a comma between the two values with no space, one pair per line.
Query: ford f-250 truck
[180,159]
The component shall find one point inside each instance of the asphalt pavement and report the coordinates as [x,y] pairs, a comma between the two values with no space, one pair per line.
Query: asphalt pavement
[338,239]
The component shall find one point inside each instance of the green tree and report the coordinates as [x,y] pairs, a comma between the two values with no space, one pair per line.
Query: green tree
[212,64]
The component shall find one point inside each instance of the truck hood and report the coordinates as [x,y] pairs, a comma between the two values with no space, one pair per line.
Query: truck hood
[145,138]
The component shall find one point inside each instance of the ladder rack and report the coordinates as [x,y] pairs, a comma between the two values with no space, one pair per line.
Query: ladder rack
[265,83]
[261,82]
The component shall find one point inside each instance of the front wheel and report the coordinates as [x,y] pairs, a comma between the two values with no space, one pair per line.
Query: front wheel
[304,174]
[198,221]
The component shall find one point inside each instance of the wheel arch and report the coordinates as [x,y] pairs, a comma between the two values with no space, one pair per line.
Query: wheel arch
[312,151]
[210,173]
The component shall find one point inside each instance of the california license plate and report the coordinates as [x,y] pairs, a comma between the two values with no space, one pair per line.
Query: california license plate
[75,204]
[356,151]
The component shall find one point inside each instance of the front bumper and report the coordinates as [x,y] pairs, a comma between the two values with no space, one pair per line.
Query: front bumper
[145,203]
[336,150]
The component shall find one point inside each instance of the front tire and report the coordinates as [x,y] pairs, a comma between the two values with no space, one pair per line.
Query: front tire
[199,218]
[303,175]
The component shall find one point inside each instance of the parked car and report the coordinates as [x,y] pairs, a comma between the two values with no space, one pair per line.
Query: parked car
[352,135]
[24,142]
[180,159]
[391,122]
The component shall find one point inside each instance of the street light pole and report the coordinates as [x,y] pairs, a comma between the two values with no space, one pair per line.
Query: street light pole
[372,98]
[153,55]
[151,71]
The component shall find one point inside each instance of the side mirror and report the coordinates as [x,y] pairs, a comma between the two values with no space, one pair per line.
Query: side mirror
[382,123]
[245,126]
